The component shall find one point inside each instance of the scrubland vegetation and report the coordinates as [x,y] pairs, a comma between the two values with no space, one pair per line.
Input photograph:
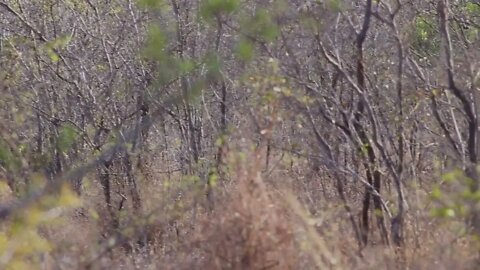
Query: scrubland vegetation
[239,134]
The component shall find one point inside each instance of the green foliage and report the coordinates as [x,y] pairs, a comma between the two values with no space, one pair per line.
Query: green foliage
[156,44]
[335,5]
[213,64]
[171,67]
[152,4]
[168,66]
[186,66]
[221,140]
[52,46]
[473,8]
[66,138]
[471,11]
[261,26]
[21,244]
[454,197]
[444,212]
[8,157]
[210,9]
[472,34]
[426,40]
[424,28]
[213,177]
[245,50]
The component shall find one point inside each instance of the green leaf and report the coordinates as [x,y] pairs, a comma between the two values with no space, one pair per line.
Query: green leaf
[66,138]
[214,65]
[52,46]
[9,158]
[244,50]
[452,176]
[213,178]
[156,44]
[151,4]
[436,193]
[444,212]
[473,8]
[335,5]
[186,66]
[53,56]
[426,39]
[263,26]
[211,8]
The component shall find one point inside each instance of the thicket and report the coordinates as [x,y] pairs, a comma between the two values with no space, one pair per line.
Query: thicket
[239,134]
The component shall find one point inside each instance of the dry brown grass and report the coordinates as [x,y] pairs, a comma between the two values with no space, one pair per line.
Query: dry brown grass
[260,221]
[250,229]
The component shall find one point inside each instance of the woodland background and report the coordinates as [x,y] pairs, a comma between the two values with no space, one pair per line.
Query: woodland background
[239,134]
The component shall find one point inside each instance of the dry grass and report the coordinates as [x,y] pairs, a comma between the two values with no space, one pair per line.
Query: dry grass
[259,221]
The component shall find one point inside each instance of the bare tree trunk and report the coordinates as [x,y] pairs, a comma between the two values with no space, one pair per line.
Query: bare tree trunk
[373,175]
